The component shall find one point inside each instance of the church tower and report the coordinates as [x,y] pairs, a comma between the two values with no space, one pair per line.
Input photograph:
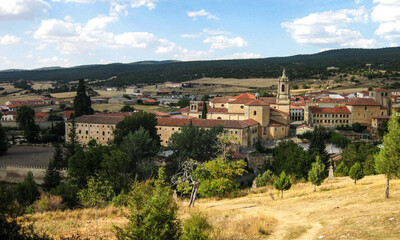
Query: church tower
[283,97]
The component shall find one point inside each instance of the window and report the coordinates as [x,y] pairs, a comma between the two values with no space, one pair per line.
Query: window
[199,116]
[104,133]
[235,132]
[218,117]
[173,129]
[87,132]
[80,131]
[365,108]
[283,87]
[222,105]
[265,130]
[255,113]
[242,107]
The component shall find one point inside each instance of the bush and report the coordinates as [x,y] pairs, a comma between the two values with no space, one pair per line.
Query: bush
[196,227]
[68,193]
[48,202]
[342,170]
[265,178]
[121,200]
[356,172]
[26,191]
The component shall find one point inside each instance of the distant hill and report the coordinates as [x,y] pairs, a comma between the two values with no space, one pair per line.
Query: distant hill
[298,67]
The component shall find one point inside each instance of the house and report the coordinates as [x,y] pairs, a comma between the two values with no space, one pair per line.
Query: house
[41,116]
[9,116]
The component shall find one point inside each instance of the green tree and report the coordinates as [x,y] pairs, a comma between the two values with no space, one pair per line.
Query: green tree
[339,140]
[283,183]
[53,176]
[140,149]
[291,158]
[183,102]
[96,193]
[218,177]
[196,227]
[153,212]
[356,172]
[265,178]
[132,123]
[72,141]
[127,108]
[3,141]
[26,121]
[204,111]
[115,168]
[342,170]
[317,173]
[82,102]
[196,143]
[26,191]
[387,161]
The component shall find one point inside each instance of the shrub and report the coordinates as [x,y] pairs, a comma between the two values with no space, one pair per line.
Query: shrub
[356,172]
[121,200]
[68,193]
[26,191]
[283,183]
[342,170]
[196,227]
[265,178]
[48,202]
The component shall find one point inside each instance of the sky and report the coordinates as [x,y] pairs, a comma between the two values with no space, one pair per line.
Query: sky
[43,33]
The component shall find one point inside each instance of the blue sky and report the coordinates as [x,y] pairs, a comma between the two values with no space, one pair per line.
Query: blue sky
[42,33]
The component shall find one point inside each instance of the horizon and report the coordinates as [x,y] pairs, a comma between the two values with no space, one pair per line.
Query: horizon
[66,33]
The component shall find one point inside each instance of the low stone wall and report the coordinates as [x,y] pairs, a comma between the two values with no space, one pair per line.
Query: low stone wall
[16,173]
[256,160]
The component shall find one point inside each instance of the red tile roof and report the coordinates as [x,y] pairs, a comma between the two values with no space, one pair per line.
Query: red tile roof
[304,125]
[41,114]
[380,90]
[99,119]
[220,100]
[363,102]
[279,111]
[207,123]
[160,114]
[244,96]
[257,103]
[270,100]
[68,113]
[336,109]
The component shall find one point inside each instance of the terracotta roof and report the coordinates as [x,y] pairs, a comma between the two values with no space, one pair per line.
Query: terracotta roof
[220,100]
[207,123]
[381,117]
[68,113]
[251,121]
[295,107]
[304,125]
[380,90]
[41,114]
[257,103]
[244,96]
[363,102]
[160,114]
[279,111]
[99,119]
[239,101]
[185,109]
[274,123]
[10,113]
[270,100]
[336,109]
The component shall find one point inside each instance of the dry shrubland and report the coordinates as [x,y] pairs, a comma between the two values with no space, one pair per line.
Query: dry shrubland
[338,210]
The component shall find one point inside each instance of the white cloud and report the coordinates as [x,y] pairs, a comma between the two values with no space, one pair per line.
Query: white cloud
[330,28]
[187,55]
[150,4]
[214,32]
[201,13]
[9,39]
[387,14]
[194,35]
[243,55]
[54,61]
[22,9]
[221,42]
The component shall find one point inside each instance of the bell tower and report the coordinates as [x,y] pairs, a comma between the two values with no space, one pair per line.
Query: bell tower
[283,97]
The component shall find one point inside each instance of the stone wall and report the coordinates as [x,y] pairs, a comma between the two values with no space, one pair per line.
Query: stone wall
[16,173]
[256,160]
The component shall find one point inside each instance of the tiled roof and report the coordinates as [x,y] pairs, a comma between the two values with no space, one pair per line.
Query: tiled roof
[207,123]
[257,103]
[304,125]
[251,121]
[363,102]
[270,100]
[160,114]
[336,109]
[220,100]
[274,123]
[41,114]
[68,113]
[99,119]
[295,107]
[380,90]
[244,96]
[279,111]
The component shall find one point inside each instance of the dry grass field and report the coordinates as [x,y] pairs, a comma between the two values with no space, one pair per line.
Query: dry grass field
[102,93]
[338,210]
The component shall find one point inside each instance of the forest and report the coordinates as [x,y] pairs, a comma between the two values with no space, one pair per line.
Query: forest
[298,67]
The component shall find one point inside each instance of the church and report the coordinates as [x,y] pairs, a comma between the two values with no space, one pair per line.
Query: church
[271,114]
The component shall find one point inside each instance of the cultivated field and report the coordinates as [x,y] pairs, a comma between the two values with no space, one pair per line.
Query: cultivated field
[338,210]
[102,93]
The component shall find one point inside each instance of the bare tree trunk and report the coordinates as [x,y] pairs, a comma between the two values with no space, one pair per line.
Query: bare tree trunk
[315,188]
[281,194]
[355,181]
[387,188]
[194,194]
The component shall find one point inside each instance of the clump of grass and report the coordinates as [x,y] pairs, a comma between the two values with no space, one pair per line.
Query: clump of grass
[295,232]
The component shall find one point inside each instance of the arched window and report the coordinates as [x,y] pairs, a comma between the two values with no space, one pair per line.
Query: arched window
[283,87]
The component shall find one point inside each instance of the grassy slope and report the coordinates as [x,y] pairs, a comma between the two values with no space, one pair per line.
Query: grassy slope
[338,210]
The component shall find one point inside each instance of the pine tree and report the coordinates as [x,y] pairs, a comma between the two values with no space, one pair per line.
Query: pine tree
[283,183]
[3,141]
[26,191]
[82,102]
[53,176]
[72,141]
[387,161]
[317,173]
[356,172]
[204,112]
[342,170]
